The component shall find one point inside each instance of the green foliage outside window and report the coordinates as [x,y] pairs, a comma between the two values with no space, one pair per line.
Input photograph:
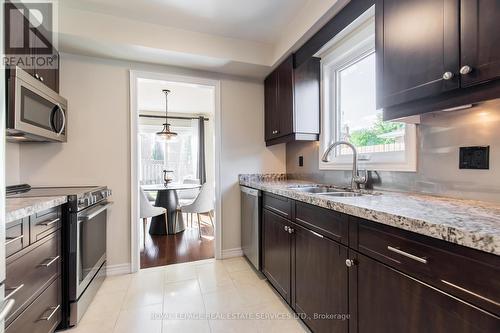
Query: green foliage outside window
[371,136]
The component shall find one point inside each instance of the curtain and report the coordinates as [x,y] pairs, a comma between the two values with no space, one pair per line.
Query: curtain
[202,172]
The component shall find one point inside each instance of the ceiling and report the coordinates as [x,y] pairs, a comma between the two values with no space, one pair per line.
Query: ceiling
[255,20]
[184,97]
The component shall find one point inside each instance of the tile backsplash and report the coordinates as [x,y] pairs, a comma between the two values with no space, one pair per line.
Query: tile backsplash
[440,135]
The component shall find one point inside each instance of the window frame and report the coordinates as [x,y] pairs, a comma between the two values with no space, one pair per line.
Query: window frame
[348,48]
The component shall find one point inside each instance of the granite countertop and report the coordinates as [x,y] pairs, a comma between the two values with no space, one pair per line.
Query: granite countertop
[18,208]
[470,223]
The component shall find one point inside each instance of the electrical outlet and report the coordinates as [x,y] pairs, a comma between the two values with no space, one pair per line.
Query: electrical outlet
[477,157]
[301,161]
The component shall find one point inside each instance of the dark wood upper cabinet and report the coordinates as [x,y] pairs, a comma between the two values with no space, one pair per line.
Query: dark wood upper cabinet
[270,105]
[383,300]
[417,49]
[320,281]
[292,102]
[436,54]
[480,41]
[49,75]
[276,252]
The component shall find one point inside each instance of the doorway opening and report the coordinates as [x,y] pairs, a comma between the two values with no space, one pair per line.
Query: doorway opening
[175,153]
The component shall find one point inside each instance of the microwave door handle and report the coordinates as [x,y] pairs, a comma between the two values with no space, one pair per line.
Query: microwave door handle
[63,119]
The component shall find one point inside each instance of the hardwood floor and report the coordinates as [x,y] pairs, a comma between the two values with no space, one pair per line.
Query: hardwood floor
[181,247]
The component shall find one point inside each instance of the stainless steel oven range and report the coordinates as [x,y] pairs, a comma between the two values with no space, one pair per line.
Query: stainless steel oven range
[83,242]
[86,249]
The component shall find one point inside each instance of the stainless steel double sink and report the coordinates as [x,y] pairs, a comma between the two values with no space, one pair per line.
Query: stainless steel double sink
[327,191]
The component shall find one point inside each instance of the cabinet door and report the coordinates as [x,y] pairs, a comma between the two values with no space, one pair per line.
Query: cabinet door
[276,247]
[384,300]
[480,40]
[285,97]
[417,42]
[48,69]
[270,106]
[50,76]
[16,36]
[320,282]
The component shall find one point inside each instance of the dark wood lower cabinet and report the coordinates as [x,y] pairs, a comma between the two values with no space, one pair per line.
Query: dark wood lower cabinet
[33,274]
[276,259]
[320,281]
[43,315]
[343,279]
[384,300]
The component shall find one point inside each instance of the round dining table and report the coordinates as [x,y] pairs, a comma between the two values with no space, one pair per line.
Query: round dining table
[167,198]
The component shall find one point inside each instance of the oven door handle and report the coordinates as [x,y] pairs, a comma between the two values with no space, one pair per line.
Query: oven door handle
[94,212]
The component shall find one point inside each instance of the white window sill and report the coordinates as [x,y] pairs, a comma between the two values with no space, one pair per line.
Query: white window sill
[402,167]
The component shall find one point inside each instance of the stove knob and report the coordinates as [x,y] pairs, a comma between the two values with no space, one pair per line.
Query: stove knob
[94,198]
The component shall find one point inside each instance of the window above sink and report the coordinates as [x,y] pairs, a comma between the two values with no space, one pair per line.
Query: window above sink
[349,110]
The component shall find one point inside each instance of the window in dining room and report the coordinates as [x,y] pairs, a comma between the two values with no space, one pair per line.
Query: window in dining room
[179,155]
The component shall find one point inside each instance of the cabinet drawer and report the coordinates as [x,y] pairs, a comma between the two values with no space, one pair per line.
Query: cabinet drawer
[278,204]
[466,273]
[30,271]
[43,315]
[17,236]
[45,223]
[324,221]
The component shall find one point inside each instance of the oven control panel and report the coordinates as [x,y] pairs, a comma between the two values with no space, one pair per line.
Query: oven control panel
[91,198]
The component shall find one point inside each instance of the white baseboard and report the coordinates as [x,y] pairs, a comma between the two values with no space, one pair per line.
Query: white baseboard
[118,269]
[231,253]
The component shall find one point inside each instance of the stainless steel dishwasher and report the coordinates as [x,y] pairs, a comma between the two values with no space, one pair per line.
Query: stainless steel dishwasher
[250,224]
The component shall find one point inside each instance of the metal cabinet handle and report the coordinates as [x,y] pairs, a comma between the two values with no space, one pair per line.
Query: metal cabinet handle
[448,76]
[49,261]
[49,223]
[465,70]
[316,234]
[6,308]
[406,254]
[52,313]
[276,210]
[350,262]
[11,240]
[14,290]
[471,293]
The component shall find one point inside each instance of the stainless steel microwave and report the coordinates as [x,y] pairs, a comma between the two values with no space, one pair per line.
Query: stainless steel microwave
[35,112]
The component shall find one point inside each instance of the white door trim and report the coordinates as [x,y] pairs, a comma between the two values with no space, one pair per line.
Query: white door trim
[134,158]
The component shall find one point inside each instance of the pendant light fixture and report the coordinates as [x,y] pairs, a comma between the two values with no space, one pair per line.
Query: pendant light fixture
[166,133]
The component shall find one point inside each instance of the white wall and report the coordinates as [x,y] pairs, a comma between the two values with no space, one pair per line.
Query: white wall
[12,172]
[98,147]
[243,149]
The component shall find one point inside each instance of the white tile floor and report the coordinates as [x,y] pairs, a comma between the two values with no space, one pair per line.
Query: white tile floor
[157,300]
